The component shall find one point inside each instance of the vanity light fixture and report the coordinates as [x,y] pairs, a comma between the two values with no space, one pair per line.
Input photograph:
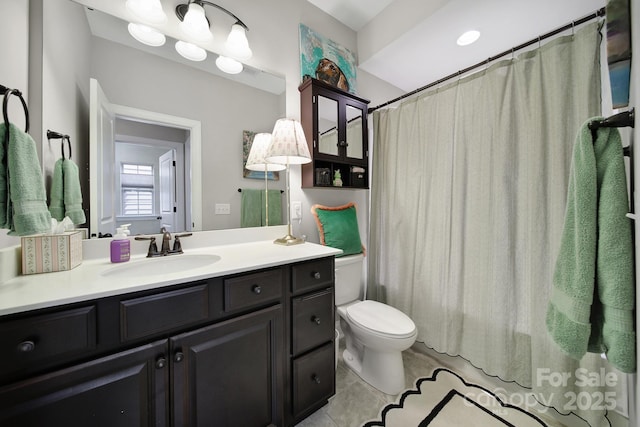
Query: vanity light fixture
[229,65]
[195,25]
[288,146]
[146,35]
[256,162]
[190,51]
[147,11]
[468,37]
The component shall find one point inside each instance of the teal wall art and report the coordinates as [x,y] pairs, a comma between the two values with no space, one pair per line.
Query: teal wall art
[326,60]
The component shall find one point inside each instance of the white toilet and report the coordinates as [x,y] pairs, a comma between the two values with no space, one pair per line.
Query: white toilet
[376,334]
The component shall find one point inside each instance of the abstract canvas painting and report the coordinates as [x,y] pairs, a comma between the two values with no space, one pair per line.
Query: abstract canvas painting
[326,60]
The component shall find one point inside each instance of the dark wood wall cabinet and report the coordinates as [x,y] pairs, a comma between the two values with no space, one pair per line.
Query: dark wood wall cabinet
[335,126]
[251,349]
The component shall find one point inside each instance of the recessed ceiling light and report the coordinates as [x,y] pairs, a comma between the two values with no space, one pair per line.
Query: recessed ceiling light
[468,38]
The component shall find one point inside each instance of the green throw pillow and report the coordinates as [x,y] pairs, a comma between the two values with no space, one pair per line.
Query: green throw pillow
[338,227]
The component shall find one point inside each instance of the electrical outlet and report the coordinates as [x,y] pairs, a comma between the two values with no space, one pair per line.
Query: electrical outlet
[296,210]
[223,209]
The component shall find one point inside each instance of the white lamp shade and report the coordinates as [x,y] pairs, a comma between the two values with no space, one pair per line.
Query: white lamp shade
[256,160]
[190,51]
[148,11]
[237,45]
[146,35]
[229,65]
[288,143]
[195,24]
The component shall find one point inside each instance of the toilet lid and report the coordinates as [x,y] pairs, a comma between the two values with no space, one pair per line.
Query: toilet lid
[381,318]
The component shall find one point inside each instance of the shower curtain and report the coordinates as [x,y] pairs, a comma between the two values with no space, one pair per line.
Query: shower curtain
[469,187]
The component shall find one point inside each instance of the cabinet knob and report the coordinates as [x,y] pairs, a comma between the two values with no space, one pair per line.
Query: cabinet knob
[178,356]
[161,362]
[315,379]
[256,289]
[26,346]
[316,275]
[316,320]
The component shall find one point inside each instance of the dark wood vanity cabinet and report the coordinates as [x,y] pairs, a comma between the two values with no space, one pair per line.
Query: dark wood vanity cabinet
[335,126]
[228,351]
[312,345]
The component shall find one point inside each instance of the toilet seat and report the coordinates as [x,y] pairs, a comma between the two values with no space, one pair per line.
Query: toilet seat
[381,319]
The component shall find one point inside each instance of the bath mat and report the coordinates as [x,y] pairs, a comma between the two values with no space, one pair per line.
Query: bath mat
[447,400]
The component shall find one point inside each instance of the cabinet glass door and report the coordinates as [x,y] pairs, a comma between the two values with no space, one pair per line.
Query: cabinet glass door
[327,126]
[354,133]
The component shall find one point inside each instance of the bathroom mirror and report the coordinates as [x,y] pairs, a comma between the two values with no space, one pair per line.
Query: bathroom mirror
[159,80]
[327,125]
[354,133]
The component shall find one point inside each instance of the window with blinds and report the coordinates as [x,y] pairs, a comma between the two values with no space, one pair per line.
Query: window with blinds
[138,193]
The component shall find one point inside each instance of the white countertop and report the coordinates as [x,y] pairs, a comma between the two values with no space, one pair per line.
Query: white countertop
[87,282]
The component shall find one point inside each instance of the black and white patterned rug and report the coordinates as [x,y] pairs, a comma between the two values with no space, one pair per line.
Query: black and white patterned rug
[447,400]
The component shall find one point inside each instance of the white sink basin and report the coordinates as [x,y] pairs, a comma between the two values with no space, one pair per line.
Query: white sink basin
[161,265]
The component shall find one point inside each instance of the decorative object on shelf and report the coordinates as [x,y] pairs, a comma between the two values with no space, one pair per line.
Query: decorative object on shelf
[288,146]
[195,26]
[337,179]
[257,162]
[326,60]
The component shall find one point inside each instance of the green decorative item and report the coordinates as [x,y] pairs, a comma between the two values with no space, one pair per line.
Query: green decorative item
[338,227]
[337,179]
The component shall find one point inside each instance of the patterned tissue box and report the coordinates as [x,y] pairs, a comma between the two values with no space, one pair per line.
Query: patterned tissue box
[46,253]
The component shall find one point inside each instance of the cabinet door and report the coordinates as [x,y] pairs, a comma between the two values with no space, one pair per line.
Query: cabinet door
[230,373]
[125,389]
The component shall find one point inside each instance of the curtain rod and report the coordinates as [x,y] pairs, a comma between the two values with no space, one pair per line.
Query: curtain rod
[594,15]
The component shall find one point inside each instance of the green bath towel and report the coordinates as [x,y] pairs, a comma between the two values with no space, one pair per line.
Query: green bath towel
[66,197]
[251,208]
[24,201]
[56,199]
[72,193]
[593,298]
[275,208]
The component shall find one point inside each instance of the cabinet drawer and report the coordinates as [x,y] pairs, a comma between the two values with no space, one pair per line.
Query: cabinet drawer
[47,336]
[152,314]
[313,379]
[251,290]
[313,320]
[312,274]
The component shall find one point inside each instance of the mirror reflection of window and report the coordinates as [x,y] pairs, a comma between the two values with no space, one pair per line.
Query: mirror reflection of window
[136,183]
[327,126]
[354,133]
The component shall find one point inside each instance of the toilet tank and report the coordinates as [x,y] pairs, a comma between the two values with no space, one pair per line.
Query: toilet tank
[348,278]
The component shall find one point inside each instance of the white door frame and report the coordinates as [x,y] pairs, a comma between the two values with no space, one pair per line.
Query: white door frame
[192,155]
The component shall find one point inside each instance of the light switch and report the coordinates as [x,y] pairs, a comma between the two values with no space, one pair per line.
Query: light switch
[223,209]
[296,210]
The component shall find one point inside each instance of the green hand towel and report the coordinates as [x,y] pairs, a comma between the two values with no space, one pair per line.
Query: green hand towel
[28,213]
[56,201]
[251,208]
[593,298]
[4,191]
[275,208]
[72,193]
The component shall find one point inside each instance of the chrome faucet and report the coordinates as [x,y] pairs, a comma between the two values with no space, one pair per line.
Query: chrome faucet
[166,244]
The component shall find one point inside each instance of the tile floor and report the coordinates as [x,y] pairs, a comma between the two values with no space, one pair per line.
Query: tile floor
[356,402]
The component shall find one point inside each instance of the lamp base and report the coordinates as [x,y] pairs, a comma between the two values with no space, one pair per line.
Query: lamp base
[288,240]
